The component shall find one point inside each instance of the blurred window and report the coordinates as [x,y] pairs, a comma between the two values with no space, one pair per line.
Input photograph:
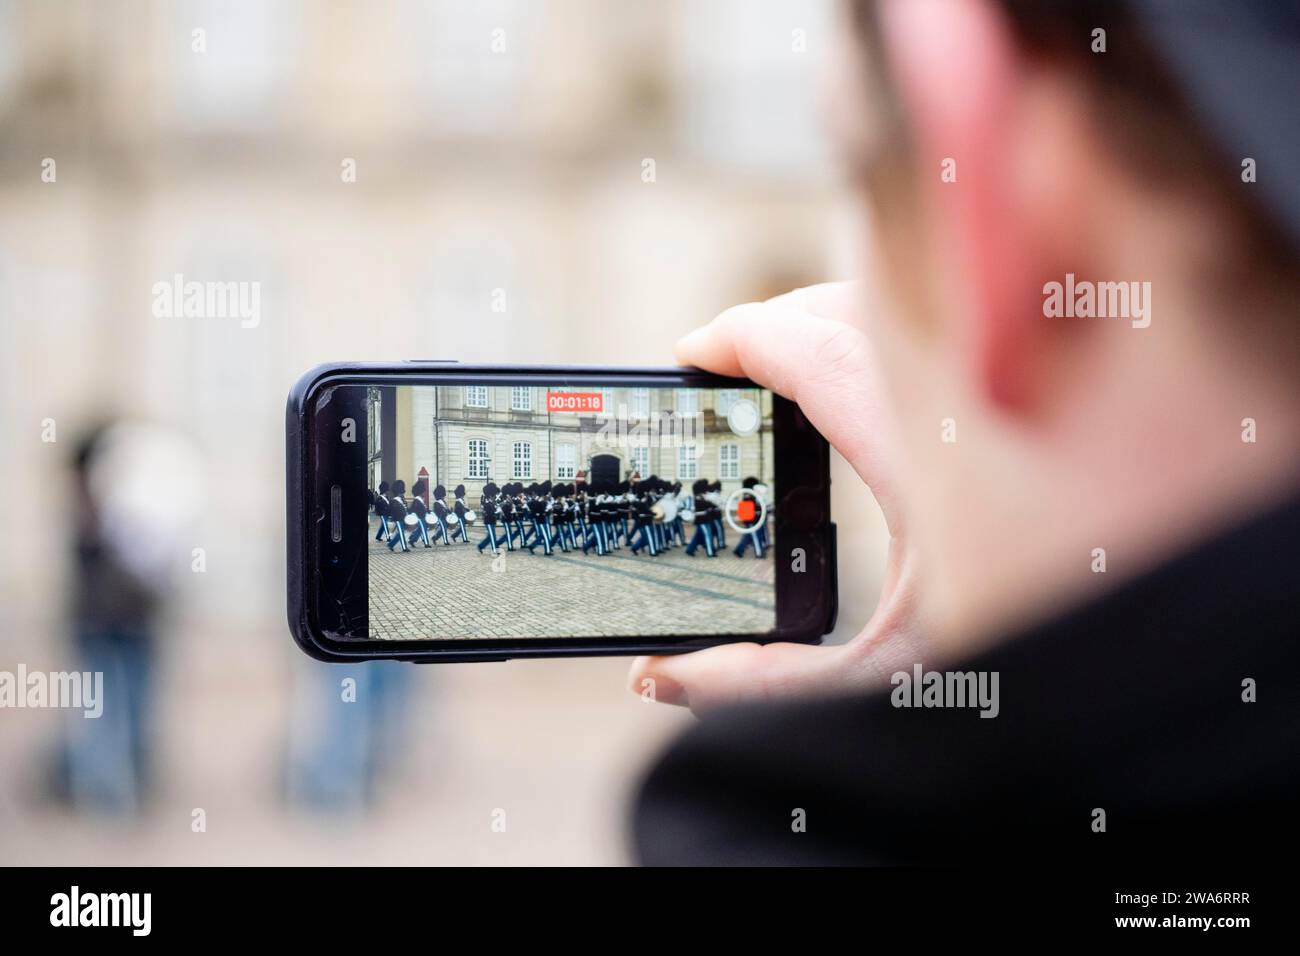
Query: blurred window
[249,53]
[640,403]
[746,80]
[470,61]
[566,461]
[639,460]
[521,399]
[726,398]
[476,396]
[688,401]
[687,466]
[728,460]
[478,458]
[523,458]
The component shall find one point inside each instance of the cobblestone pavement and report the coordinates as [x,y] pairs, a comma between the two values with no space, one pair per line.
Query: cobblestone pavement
[458,591]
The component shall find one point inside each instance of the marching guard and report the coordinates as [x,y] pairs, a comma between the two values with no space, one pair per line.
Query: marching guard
[440,512]
[704,520]
[648,514]
[488,505]
[397,517]
[461,511]
[757,533]
[420,529]
[381,511]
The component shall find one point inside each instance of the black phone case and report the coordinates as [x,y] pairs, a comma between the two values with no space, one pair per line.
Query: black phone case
[297,528]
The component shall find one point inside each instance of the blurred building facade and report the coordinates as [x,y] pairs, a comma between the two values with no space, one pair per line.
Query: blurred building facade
[575,181]
[501,180]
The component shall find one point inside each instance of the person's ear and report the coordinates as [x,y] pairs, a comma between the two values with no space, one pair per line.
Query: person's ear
[962,82]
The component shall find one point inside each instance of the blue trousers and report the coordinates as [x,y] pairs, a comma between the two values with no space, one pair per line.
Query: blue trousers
[540,534]
[398,536]
[703,534]
[645,538]
[421,534]
[759,540]
[595,538]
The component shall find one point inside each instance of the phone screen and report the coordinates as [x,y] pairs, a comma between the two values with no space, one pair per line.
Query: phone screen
[528,511]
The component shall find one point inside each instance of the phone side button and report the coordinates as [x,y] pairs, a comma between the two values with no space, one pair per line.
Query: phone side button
[436,361]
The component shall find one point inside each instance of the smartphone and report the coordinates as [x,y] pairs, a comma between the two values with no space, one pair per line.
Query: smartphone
[440,512]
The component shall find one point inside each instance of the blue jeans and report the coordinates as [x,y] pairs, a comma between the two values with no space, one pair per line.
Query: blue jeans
[351,743]
[109,756]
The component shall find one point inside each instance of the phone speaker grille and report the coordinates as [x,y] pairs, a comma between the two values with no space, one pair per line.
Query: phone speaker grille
[336,514]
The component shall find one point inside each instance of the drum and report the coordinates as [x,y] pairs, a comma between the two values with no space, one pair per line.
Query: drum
[451,518]
[686,514]
[470,517]
[657,512]
[431,519]
[411,521]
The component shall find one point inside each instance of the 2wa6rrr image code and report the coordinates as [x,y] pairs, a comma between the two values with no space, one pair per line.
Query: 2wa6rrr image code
[521,511]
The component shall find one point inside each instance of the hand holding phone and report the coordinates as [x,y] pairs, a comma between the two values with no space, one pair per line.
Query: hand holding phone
[803,345]
[440,512]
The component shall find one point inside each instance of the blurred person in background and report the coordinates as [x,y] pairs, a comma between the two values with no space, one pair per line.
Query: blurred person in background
[1101,512]
[348,733]
[135,498]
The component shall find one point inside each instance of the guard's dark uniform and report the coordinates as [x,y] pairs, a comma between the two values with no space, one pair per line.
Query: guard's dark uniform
[488,507]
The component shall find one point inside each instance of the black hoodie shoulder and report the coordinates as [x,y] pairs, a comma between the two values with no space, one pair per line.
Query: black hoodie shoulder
[1132,705]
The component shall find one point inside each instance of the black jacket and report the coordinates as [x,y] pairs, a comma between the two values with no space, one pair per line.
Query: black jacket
[1132,705]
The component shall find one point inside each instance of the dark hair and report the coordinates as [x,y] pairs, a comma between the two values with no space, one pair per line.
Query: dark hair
[1147,119]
